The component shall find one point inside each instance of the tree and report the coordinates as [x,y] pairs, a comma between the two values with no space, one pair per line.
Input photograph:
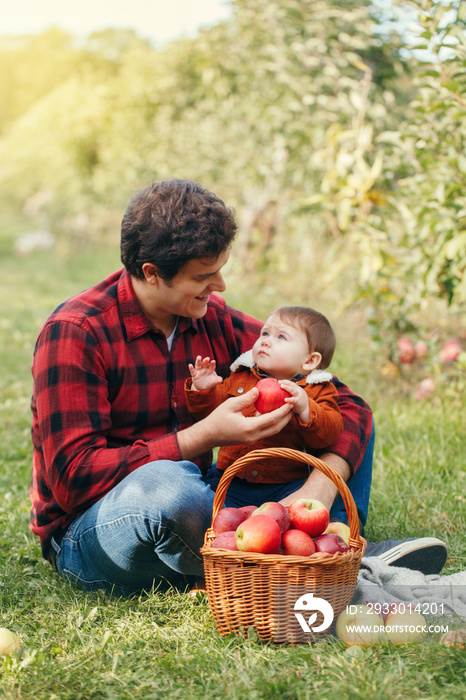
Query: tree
[399,194]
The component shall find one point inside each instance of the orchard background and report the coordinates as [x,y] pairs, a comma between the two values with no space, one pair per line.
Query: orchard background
[338,136]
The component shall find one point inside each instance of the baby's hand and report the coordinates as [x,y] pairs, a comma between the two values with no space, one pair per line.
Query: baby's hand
[298,399]
[203,374]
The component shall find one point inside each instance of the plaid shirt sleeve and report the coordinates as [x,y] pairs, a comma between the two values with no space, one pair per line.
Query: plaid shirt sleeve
[357,426]
[73,416]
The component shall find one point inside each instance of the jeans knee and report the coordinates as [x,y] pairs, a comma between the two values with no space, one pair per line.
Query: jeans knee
[173,492]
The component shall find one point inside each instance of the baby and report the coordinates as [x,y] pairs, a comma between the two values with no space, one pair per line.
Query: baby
[295,347]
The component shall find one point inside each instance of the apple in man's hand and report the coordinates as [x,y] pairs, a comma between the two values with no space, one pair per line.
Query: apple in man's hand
[260,534]
[309,515]
[330,544]
[276,511]
[227,519]
[226,540]
[271,395]
[297,543]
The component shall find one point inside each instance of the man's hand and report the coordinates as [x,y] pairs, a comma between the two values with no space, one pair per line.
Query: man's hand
[227,425]
[318,485]
[203,374]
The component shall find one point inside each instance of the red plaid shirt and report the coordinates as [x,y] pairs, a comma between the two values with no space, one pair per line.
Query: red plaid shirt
[108,396]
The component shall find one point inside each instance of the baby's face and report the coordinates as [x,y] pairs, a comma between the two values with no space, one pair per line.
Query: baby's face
[281,350]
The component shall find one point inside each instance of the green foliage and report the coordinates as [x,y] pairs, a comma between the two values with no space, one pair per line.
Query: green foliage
[340,149]
[242,108]
[398,195]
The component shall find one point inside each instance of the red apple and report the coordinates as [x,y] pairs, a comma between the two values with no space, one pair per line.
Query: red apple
[450,351]
[338,528]
[249,510]
[330,544]
[309,515]
[260,534]
[228,519]
[226,540]
[421,350]
[298,543]
[271,395]
[276,511]
[454,638]
[426,389]
[406,351]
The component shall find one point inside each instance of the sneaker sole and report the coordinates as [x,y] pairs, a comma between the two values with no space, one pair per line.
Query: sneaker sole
[428,558]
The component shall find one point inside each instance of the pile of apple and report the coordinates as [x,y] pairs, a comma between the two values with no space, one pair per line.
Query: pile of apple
[300,529]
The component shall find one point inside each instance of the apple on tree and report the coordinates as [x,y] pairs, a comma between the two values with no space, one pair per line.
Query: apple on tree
[450,351]
[421,350]
[260,534]
[309,515]
[271,395]
[276,511]
[227,519]
[406,351]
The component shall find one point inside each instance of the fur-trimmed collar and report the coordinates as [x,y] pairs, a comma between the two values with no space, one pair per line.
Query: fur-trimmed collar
[317,376]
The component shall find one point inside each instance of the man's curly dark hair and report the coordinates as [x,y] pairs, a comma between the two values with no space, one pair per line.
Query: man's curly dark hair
[171,222]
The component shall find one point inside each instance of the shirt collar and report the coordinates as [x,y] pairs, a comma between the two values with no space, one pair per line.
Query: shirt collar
[134,319]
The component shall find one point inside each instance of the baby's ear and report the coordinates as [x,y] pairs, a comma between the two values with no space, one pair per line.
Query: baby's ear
[312,362]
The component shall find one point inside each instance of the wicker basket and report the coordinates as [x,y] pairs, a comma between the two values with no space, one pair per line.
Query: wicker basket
[246,589]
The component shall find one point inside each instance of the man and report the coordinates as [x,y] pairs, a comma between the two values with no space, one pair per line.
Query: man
[121,486]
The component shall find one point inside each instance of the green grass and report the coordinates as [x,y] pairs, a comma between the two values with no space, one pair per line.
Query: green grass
[165,645]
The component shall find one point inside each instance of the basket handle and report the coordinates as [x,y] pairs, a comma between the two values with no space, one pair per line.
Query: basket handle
[257,455]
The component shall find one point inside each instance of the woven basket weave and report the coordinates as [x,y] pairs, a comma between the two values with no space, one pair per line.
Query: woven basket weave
[246,589]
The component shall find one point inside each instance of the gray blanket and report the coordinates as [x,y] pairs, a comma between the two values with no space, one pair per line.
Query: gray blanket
[379,583]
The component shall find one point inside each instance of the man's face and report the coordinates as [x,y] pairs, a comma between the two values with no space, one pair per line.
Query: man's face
[281,350]
[188,293]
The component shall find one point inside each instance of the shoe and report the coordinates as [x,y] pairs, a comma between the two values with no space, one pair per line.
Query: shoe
[425,554]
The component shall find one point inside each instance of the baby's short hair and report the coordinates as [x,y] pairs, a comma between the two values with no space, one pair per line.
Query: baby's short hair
[315,326]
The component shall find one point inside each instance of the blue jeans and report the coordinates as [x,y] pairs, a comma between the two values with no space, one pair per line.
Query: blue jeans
[148,529]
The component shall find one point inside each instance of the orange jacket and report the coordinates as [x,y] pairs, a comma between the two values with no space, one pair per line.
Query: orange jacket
[324,427]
